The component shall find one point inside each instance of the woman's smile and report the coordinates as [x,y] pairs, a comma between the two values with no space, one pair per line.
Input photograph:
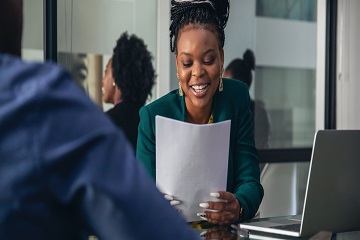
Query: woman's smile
[199,90]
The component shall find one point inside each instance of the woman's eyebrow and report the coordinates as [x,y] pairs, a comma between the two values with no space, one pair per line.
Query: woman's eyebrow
[206,52]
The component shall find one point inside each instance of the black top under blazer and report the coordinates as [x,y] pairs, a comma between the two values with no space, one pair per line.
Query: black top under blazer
[126,116]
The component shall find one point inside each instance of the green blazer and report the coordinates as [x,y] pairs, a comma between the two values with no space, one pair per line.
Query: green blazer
[232,103]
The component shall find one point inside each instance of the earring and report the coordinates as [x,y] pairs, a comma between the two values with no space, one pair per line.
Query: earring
[180,91]
[113,84]
[221,85]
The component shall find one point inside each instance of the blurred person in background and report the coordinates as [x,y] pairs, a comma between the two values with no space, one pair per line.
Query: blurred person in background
[129,78]
[242,69]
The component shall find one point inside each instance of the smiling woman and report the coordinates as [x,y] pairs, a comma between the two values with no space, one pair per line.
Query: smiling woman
[199,64]
[197,38]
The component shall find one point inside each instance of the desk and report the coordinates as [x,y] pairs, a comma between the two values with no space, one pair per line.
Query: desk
[210,231]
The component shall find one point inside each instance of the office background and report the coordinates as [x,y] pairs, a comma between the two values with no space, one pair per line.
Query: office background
[306,51]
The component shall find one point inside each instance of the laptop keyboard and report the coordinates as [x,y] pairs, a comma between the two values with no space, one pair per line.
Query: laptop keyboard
[290,227]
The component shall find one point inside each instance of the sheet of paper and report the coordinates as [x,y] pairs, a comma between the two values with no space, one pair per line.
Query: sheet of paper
[191,162]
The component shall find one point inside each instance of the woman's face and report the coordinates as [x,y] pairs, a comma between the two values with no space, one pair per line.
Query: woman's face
[198,61]
[108,87]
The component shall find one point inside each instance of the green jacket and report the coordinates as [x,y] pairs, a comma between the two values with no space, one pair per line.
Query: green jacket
[232,103]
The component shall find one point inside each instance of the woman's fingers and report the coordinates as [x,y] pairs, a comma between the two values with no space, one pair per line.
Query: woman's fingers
[222,212]
[227,196]
[171,199]
[228,203]
[168,197]
[174,202]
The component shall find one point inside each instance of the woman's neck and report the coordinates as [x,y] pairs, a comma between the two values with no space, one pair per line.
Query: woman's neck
[198,115]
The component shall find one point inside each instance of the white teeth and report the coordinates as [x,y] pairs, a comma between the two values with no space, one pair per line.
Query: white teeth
[199,87]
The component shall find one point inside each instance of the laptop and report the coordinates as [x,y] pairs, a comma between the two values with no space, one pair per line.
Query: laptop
[332,198]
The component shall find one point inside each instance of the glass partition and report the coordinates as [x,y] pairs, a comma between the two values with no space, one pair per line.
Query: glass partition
[304,10]
[289,94]
[283,37]
[33,46]
[87,36]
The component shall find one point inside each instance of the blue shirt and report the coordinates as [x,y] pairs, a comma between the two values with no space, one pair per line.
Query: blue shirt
[65,170]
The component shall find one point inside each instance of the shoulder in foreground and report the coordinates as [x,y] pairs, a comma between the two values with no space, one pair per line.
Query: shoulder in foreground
[20,72]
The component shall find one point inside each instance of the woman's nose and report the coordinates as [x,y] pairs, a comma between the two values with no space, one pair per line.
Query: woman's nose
[197,70]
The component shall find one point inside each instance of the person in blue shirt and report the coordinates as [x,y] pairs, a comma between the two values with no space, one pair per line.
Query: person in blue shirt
[66,171]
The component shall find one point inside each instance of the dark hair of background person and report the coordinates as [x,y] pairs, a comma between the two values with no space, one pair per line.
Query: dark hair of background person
[212,16]
[132,69]
[241,69]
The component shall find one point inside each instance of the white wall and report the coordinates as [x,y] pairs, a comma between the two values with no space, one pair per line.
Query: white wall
[33,25]
[278,41]
[33,37]
[96,27]
[320,65]
[348,65]
[240,30]
[163,48]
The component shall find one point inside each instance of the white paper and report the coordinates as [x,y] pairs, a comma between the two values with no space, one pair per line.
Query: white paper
[191,162]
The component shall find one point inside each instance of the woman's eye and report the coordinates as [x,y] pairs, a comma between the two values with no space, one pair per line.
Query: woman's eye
[186,64]
[209,62]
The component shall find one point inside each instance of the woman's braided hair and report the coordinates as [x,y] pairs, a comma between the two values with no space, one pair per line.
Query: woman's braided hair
[211,14]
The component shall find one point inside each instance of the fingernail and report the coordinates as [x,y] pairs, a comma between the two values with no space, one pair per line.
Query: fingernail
[215,194]
[174,202]
[202,216]
[204,205]
[203,233]
[168,197]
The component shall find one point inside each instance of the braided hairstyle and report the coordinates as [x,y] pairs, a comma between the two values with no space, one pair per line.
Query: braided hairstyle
[240,69]
[209,14]
[132,69]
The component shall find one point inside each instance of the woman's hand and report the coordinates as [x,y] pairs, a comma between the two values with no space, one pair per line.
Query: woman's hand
[173,202]
[223,212]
